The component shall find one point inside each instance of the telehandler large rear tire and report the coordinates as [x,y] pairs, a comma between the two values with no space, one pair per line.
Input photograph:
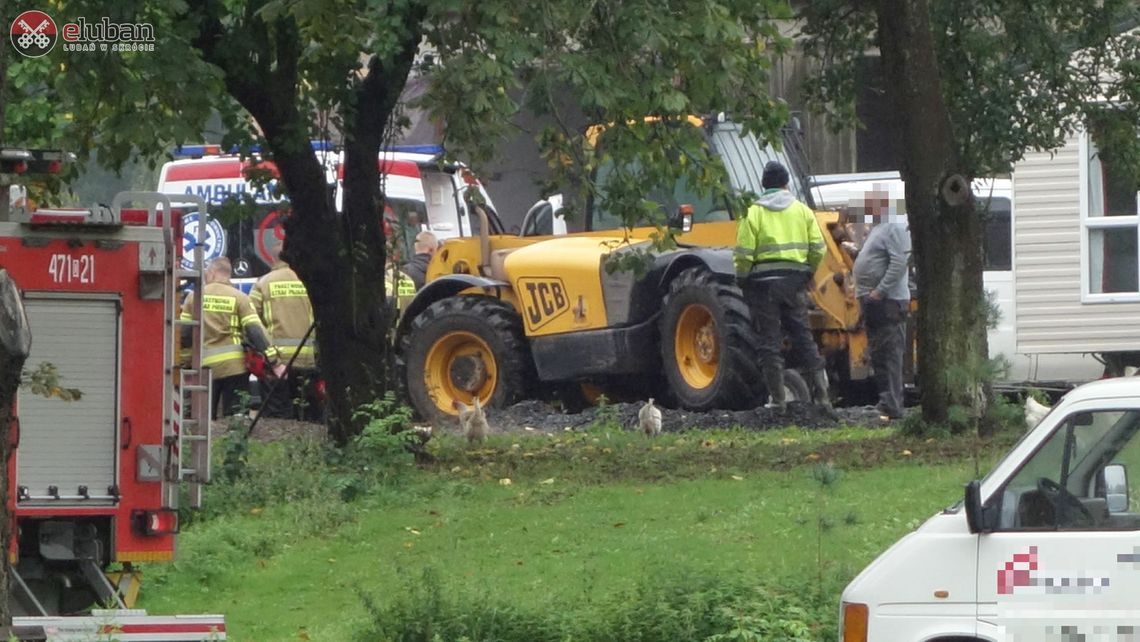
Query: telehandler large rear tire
[464,347]
[708,347]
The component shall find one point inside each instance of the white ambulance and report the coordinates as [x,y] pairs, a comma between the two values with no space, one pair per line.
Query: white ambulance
[1045,547]
[423,192]
[215,177]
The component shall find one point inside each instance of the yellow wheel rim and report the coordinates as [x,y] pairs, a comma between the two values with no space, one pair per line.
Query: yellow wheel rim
[459,367]
[695,346]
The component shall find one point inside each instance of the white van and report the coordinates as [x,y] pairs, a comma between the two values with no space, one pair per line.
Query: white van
[996,197]
[1046,547]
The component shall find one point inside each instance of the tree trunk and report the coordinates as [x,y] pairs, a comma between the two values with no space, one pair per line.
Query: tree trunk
[342,266]
[339,257]
[946,232]
[15,345]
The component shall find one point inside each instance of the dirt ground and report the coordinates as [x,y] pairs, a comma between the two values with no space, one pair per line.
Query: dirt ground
[271,430]
[537,417]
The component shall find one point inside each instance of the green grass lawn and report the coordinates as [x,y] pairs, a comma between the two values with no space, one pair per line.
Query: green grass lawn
[565,534]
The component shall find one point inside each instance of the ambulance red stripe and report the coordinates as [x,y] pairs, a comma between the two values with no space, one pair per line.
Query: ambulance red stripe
[214,170]
[390,168]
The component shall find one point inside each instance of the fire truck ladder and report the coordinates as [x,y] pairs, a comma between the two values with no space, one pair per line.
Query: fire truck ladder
[188,393]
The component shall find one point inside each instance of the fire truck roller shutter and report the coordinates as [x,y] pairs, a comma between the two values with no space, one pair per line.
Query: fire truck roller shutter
[68,444]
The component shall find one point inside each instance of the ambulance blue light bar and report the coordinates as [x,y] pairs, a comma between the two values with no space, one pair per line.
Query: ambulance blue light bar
[198,151]
[434,150]
[194,151]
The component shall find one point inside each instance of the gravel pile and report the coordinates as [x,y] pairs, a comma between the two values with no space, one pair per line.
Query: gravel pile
[540,417]
[534,417]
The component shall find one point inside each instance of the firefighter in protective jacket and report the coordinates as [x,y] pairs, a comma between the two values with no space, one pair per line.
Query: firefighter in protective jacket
[282,302]
[227,318]
[398,287]
[778,248]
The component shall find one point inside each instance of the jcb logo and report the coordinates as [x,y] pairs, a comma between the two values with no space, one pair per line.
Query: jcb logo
[543,298]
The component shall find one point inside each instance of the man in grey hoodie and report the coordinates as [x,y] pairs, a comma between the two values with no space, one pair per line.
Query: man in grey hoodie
[882,286]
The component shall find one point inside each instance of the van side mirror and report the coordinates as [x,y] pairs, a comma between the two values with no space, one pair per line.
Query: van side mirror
[973,505]
[1112,484]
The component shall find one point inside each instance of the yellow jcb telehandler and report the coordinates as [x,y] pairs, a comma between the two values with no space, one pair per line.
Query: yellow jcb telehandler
[505,317]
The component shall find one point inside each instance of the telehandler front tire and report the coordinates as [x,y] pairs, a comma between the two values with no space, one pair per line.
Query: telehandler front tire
[464,347]
[708,347]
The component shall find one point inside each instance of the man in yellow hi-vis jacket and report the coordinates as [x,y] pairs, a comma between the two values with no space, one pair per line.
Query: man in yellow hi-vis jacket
[227,317]
[778,247]
[282,302]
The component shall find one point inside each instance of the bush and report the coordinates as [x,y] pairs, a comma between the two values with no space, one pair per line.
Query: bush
[664,608]
[1005,414]
[296,471]
[307,483]
[288,472]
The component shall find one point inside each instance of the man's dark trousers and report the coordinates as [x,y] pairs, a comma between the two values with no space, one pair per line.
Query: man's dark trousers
[779,306]
[885,320]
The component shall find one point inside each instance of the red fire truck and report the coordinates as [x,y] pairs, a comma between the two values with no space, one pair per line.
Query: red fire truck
[96,483]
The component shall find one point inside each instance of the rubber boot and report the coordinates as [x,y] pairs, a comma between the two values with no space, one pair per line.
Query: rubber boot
[774,380]
[820,393]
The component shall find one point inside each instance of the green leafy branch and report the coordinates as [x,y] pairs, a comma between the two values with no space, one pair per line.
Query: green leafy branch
[45,381]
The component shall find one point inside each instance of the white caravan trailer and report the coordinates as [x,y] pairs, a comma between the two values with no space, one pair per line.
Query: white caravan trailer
[1076,255]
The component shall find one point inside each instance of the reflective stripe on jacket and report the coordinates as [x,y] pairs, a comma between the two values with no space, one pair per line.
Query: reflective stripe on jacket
[778,233]
[282,301]
[227,316]
[401,287]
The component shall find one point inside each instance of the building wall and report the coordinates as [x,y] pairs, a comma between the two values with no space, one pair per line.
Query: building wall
[513,178]
[827,152]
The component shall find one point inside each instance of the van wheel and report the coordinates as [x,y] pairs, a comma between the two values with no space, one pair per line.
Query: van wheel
[708,347]
[461,348]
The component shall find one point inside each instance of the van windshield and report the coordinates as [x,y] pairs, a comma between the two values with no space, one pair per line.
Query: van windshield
[1061,484]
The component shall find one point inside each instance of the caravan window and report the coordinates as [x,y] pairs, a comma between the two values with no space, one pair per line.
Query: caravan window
[1111,225]
[997,244]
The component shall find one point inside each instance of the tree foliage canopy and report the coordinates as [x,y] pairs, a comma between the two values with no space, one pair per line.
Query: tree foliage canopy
[1015,76]
[619,62]
[288,71]
[974,86]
